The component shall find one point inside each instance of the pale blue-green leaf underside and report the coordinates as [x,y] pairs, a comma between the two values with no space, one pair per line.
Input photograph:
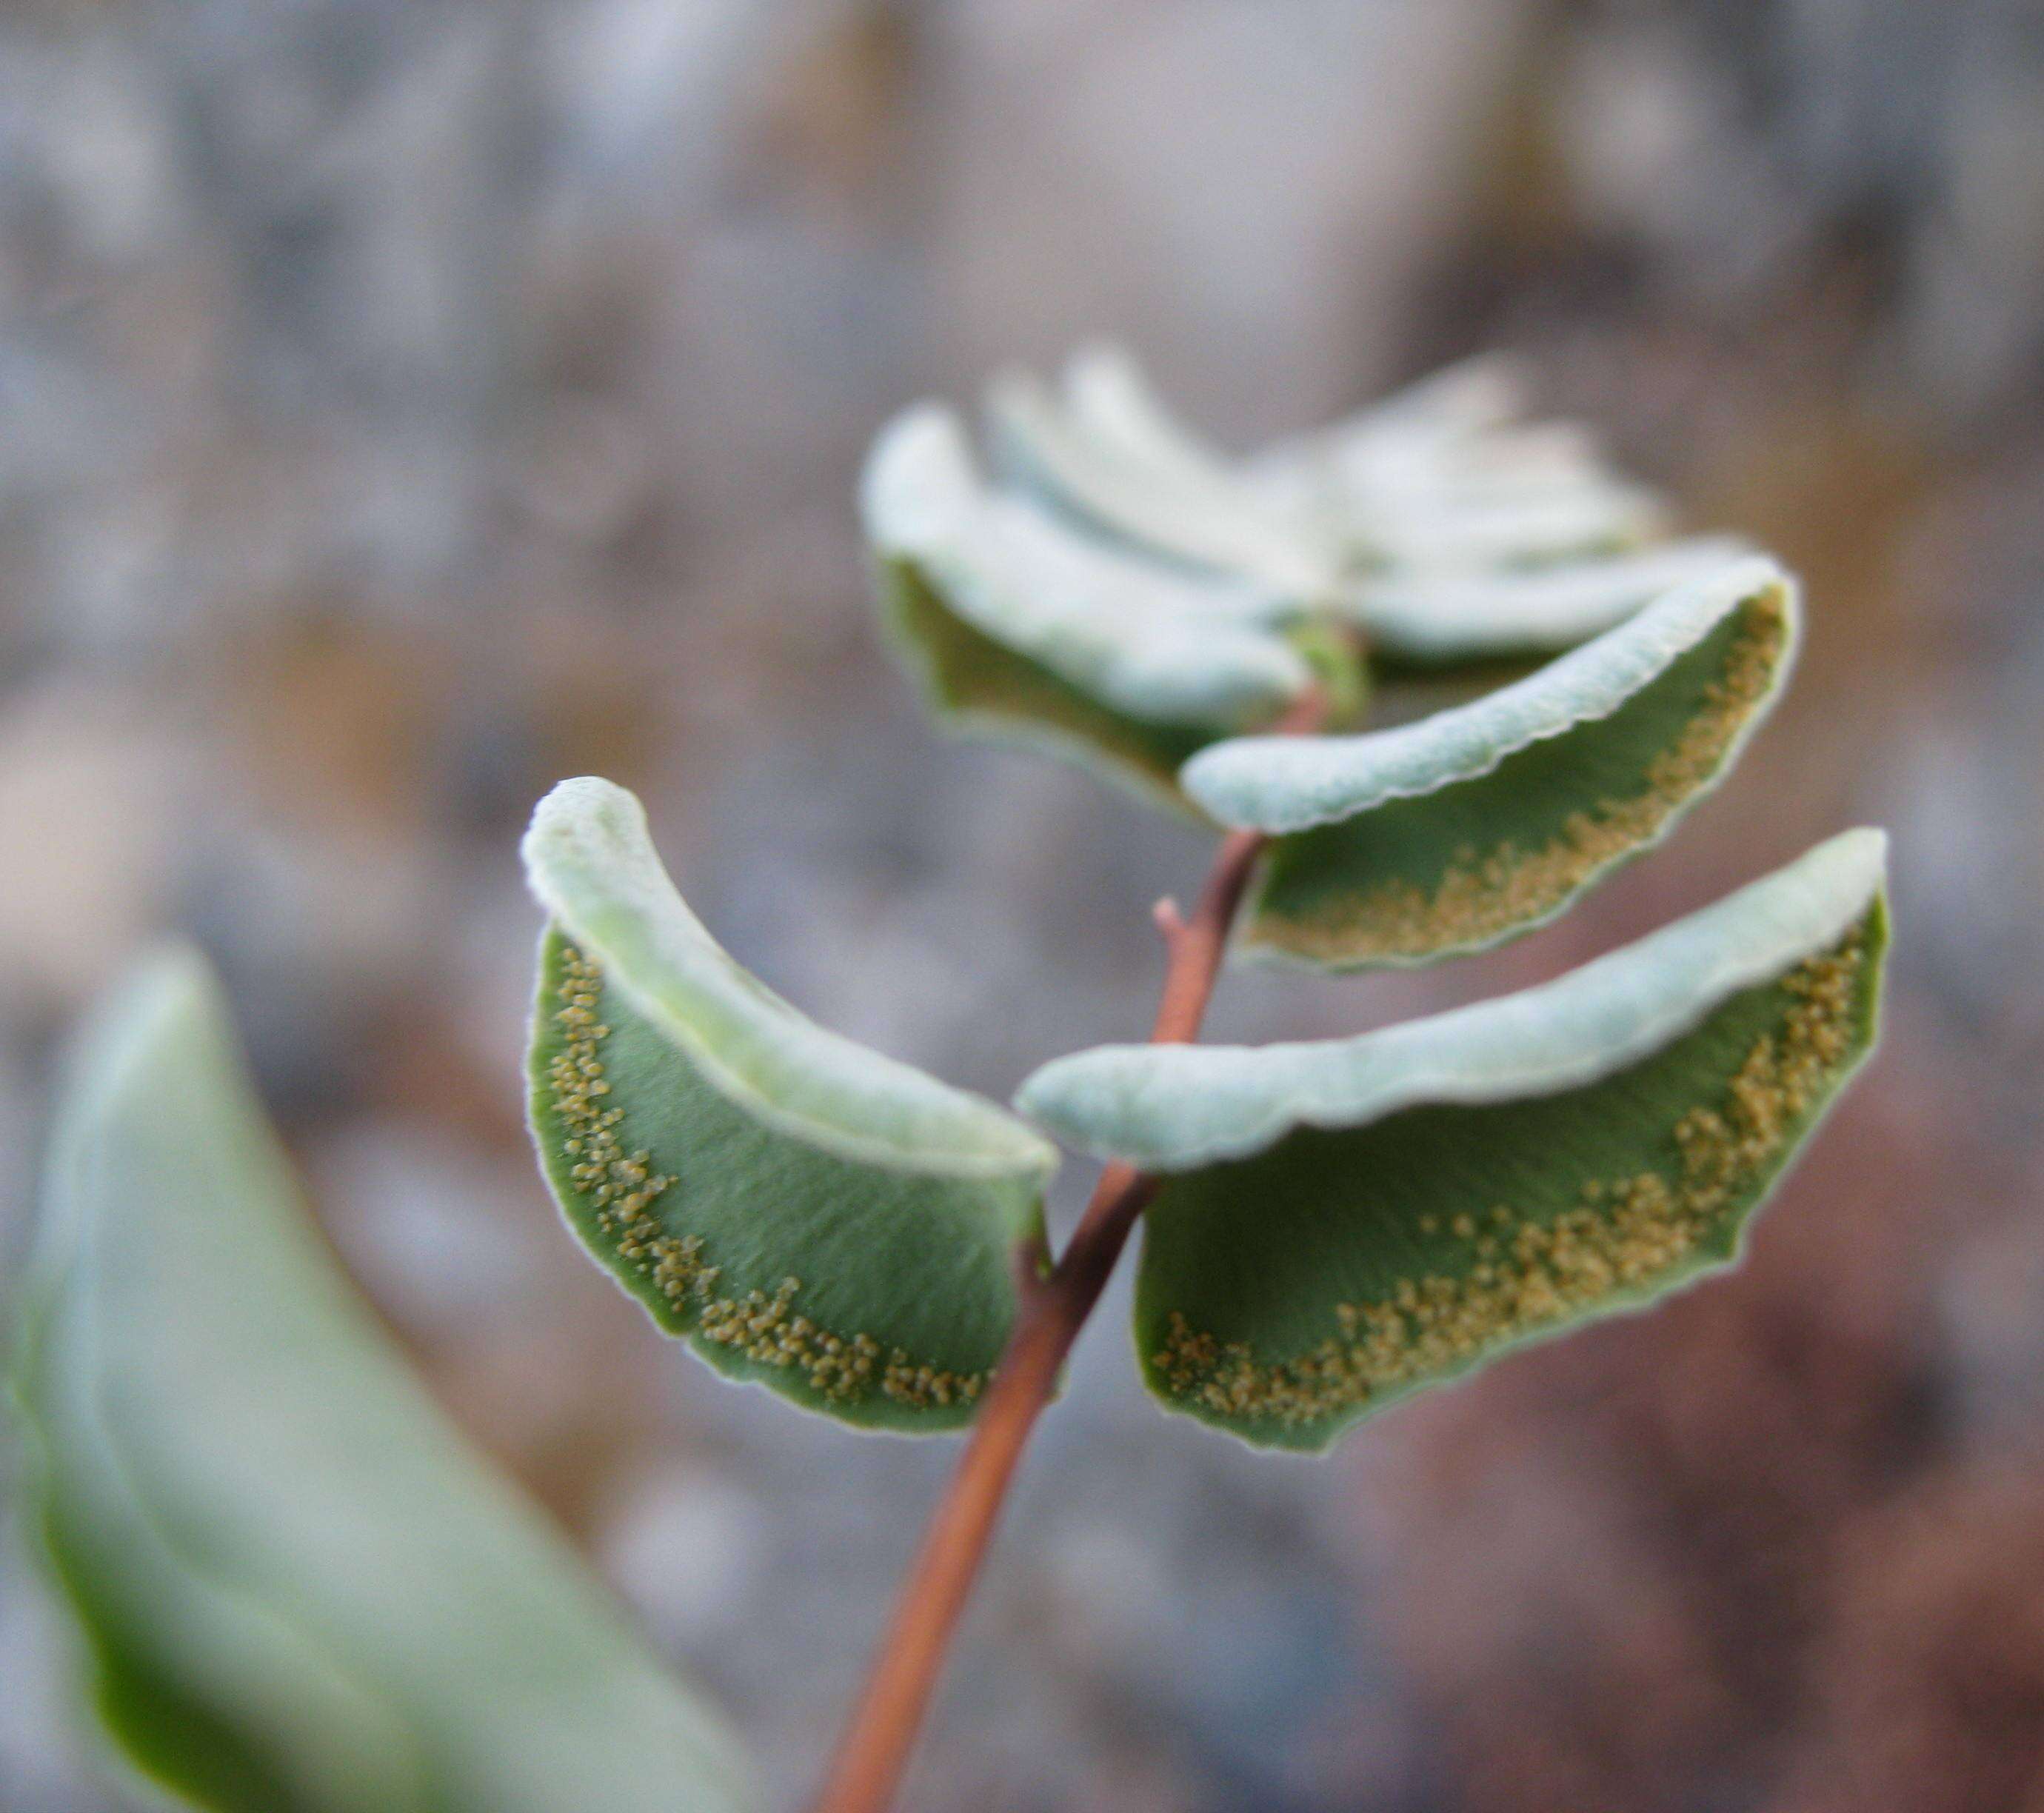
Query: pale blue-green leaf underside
[1433,530]
[1469,403]
[1206,520]
[1426,618]
[814,1216]
[1344,1221]
[299,1588]
[1432,483]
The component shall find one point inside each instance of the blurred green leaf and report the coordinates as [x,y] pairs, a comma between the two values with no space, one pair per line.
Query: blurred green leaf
[813,1216]
[1343,1222]
[1013,621]
[301,1589]
[1481,822]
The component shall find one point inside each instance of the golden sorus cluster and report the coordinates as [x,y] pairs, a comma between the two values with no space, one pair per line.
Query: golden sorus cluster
[1621,1236]
[621,1187]
[1481,895]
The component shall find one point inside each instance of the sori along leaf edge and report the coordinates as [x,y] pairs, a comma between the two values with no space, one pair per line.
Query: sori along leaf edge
[1176,1107]
[812,1216]
[1485,820]
[1339,1224]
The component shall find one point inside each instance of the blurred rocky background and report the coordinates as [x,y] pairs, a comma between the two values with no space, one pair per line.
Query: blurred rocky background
[406,403]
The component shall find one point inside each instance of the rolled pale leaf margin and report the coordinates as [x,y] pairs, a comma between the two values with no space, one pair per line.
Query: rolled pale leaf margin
[301,1587]
[813,1216]
[1013,622]
[1461,405]
[1342,1222]
[1419,488]
[1178,508]
[1480,823]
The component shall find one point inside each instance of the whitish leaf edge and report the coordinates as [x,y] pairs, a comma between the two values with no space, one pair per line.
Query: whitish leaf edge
[1432,619]
[1108,399]
[1179,1108]
[1107,394]
[1283,785]
[591,863]
[1231,529]
[1203,657]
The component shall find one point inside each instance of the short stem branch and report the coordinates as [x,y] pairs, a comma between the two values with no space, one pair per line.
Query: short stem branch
[876,1745]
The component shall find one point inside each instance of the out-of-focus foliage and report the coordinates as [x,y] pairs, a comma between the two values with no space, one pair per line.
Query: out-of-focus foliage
[1441,480]
[1183,598]
[299,1588]
[1434,528]
[1012,619]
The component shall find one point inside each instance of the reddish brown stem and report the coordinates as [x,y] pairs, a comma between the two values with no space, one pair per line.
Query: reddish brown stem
[876,1745]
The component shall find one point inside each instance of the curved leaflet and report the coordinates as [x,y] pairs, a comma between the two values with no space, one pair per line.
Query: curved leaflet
[1206,520]
[813,1216]
[1481,822]
[1013,619]
[1342,1222]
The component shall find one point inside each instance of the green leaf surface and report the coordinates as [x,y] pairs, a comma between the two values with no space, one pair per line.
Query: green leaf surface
[1014,622]
[1480,823]
[1342,1222]
[301,1589]
[813,1216]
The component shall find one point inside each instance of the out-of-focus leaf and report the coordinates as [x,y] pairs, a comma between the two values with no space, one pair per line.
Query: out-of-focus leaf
[1448,534]
[1107,399]
[1427,484]
[1013,621]
[1441,484]
[1470,402]
[1341,1222]
[1212,522]
[301,1589]
[1430,619]
[1480,823]
[813,1216]
[1401,441]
